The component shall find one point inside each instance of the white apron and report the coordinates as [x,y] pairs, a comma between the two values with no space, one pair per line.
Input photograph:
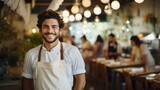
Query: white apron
[51,75]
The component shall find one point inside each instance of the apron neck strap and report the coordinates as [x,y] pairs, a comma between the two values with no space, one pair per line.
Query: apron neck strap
[39,54]
[61,52]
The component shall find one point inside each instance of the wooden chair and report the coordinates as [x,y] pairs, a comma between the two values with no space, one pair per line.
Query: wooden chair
[128,81]
[103,76]
[141,83]
[156,85]
[94,73]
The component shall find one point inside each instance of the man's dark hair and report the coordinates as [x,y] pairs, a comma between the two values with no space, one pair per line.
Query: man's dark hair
[49,14]
[112,35]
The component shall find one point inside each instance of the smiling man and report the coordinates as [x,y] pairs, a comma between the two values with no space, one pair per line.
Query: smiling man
[53,64]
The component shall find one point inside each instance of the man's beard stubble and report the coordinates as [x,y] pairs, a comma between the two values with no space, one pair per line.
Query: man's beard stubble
[56,37]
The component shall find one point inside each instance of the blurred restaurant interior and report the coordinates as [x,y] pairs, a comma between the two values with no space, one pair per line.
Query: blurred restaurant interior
[123,18]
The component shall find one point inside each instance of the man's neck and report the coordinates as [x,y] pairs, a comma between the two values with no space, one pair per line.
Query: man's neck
[49,46]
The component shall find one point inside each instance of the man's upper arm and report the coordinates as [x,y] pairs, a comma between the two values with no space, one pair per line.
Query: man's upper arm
[27,68]
[78,65]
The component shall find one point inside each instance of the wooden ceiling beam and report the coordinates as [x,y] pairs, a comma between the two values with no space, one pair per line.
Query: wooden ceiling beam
[47,4]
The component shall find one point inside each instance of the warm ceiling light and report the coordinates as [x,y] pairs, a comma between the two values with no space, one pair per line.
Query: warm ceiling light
[65,13]
[104,1]
[75,8]
[71,18]
[115,5]
[107,10]
[34,30]
[84,20]
[87,13]
[139,1]
[97,19]
[97,10]
[65,19]
[78,16]
[86,3]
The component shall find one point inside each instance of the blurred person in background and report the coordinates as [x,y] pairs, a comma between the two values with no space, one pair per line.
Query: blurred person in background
[53,65]
[140,52]
[87,48]
[112,49]
[98,47]
[73,40]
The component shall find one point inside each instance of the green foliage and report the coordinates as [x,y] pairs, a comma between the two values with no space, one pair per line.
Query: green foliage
[11,47]
[6,31]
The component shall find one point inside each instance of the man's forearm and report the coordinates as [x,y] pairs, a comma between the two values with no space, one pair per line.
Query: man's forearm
[80,82]
[27,84]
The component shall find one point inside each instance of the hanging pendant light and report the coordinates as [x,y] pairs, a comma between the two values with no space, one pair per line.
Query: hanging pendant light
[71,18]
[78,16]
[97,10]
[107,10]
[86,3]
[65,13]
[104,1]
[139,1]
[87,13]
[115,5]
[75,8]
[97,19]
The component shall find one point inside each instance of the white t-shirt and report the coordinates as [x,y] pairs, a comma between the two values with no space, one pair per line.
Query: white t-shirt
[139,52]
[74,62]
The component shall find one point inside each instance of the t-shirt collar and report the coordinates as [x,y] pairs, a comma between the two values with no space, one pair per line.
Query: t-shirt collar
[57,47]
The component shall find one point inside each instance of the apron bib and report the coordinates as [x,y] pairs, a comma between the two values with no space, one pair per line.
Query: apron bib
[51,75]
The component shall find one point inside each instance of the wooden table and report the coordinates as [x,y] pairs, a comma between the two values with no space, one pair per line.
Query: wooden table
[132,73]
[146,81]
[106,66]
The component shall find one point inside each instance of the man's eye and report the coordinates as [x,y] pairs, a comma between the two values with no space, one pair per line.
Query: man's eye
[45,26]
[54,27]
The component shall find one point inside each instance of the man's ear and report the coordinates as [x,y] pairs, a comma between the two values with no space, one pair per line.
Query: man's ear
[60,29]
[40,30]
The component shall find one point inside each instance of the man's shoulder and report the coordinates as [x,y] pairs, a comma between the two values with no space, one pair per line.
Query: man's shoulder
[69,48]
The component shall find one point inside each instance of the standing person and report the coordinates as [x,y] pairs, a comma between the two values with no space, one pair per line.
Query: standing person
[98,47]
[87,48]
[73,40]
[112,50]
[53,64]
[140,52]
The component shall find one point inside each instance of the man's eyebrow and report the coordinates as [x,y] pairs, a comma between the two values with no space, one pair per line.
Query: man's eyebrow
[54,25]
[45,25]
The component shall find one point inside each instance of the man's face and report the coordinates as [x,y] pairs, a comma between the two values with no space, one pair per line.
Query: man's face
[111,39]
[50,30]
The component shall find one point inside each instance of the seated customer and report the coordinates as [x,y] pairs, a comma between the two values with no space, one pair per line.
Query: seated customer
[140,52]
